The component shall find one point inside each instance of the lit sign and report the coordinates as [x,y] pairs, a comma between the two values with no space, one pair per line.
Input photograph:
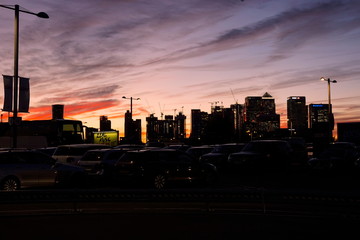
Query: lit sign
[110,138]
[318,105]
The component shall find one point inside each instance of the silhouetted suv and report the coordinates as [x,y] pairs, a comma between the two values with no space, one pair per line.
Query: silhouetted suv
[99,163]
[160,167]
[337,156]
[219,155]
[23,168]
[262,156]
[198,151]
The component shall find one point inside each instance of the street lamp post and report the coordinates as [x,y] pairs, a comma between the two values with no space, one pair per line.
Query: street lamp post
[329,81]
[17,10]
[131,99]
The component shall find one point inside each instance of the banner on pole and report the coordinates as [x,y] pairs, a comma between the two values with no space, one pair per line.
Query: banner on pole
[24,94]
[8,93]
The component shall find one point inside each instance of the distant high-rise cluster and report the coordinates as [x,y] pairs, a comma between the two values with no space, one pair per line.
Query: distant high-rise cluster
[166,130]
[255,119]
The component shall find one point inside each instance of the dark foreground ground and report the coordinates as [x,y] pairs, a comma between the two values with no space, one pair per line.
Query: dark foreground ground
[286,207]
[176,226]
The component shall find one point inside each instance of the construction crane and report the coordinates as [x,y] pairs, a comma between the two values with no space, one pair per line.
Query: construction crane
[214,103]
[162,111]
[236,101]
[150,108]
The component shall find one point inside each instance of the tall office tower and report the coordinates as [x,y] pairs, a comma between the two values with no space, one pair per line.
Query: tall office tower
[105,124]
[128,125]
[238,118]
[152,128]
[252,108]
[297,114]
[179,126]
[199,122]
[132,129]
[260,116]
[319,116]
[257,106]
[137,133]
[168,128]
[268,104]
[221,126]
[321,125]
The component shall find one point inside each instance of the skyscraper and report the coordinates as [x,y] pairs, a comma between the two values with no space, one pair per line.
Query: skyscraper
[132,129]
[105,123]
[152,129]
[320,124]
[319,116]
[199,121]
[260,116]
[179,126]
[238,119]
[297,114]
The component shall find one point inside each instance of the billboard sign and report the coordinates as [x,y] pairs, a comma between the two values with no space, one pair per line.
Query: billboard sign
[110,138]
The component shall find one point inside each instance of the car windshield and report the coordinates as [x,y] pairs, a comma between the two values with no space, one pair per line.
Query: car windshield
[333,152]
[93,156]
[227,149]
[34,158]
[113,155]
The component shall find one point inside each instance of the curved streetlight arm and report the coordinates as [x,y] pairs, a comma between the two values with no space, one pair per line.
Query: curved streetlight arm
[131,99]
[40,14]
[328,80]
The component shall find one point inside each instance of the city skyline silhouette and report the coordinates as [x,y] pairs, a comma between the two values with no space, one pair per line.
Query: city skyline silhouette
[182,56]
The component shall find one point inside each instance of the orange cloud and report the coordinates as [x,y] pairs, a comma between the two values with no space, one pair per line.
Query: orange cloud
[45,112]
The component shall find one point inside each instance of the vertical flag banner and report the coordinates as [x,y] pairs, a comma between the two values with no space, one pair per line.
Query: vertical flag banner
[8,93]
[24,94]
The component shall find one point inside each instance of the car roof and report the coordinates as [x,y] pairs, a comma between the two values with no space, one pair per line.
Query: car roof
[105,150]
[155,150]
[84,145]
[269,140]
[20,150]
[202,146]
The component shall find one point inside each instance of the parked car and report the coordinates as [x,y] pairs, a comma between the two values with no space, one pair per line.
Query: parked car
[262,155]
[130,146]
[219,155]
[96,161]
[160,167]
[26,168]
[180,147]
[47,150]
[300,151]
[336,156]
[198,151]
[73,152]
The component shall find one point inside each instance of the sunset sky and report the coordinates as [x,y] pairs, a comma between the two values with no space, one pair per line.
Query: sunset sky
[182,55]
